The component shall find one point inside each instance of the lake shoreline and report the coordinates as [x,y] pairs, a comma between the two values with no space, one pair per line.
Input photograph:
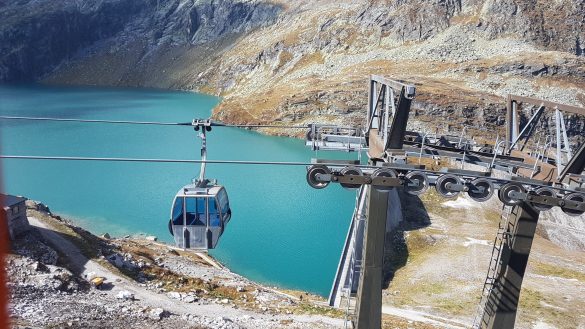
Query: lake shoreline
[140,281]
[267,240]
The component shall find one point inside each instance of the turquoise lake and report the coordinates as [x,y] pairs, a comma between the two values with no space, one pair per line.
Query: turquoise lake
[282,231]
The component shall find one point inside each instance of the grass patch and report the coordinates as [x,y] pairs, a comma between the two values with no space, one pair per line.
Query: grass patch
[454,307]
[558,271]
[533,307]
[418,245]
[530,301]
[315,58]
[312,309]
[283,58]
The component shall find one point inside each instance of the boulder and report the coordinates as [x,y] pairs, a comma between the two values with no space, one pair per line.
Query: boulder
[174,295]
[189,299]
[40,267]
[125,295]
[156,313]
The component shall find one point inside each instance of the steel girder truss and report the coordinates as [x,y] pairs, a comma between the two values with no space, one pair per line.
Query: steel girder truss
[516,138]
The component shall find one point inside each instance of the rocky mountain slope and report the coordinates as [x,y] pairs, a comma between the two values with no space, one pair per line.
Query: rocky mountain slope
[38,36]
[309,60]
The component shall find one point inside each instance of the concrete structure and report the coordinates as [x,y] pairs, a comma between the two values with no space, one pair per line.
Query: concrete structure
[15,210]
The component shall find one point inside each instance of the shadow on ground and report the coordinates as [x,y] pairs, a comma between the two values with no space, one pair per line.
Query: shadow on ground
[415,216]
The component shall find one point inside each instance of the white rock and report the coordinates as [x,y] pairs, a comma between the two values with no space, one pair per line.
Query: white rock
[156,313]
[174,295]
[189,299]
[151,238]
[125,295]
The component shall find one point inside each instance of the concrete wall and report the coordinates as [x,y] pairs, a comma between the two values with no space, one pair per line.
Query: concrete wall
[394,210]
[16,220]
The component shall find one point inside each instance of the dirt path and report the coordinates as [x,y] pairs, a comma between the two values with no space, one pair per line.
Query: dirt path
[83,266]
[423,317]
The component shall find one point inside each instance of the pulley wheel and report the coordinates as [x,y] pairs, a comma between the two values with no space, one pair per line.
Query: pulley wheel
[543,191]
[208,128]
[351,171]
[416,183]
[481,189]
[504,193]
[573,197]
[384,172]
[442,185]
[312,176]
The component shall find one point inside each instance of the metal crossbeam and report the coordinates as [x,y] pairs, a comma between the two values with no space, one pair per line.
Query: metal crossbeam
[576,165]
[388,110]
[563,149]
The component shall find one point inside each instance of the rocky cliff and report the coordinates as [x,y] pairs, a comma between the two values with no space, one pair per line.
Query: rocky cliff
[307,61]
[36,37]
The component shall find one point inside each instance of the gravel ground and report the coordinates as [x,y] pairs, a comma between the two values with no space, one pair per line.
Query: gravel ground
[155,287]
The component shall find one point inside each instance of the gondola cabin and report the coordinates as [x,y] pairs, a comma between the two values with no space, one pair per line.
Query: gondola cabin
[199,216]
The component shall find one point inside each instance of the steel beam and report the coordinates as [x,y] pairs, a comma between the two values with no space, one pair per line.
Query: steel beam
[399,121]
[576,165]
[369,296]
[536,101]
[526,133]
[559,163]
[502,303]
[395,97]
[511,122]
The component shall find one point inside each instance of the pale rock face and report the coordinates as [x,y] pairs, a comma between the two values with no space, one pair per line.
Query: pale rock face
[38,36]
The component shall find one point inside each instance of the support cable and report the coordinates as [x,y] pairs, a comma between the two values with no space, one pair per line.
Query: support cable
[155,123]
[113,159]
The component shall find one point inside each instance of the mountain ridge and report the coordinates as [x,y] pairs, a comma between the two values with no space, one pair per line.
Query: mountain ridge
[309,62]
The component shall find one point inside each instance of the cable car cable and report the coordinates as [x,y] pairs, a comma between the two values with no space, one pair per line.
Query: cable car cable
[98,121]
[190,124]
[113,159]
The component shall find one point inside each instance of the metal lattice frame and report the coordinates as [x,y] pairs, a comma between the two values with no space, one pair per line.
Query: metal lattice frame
[388,109]
[514,136]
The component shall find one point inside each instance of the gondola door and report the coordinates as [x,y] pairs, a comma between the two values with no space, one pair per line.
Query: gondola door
[196,216]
